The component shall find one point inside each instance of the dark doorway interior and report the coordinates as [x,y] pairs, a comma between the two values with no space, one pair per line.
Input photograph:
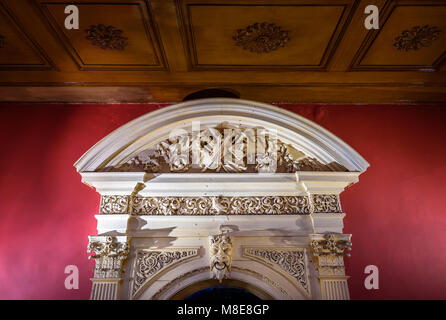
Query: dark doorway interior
[222,293]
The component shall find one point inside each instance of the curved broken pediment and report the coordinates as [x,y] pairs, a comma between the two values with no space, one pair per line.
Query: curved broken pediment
[224,148]
[221,136]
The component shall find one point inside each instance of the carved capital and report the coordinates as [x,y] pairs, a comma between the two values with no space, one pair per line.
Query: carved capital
[330,244]
[220,252]
[328,251]
[109,254]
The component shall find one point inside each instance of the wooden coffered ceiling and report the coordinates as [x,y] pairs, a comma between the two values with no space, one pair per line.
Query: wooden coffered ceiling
[302,51]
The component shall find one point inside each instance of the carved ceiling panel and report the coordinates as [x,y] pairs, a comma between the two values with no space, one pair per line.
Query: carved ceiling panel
[412,37]
[289,51]
[126,31]
[307,34]
[18,50]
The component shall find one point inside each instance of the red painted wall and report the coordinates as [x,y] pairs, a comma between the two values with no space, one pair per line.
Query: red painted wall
[396,212]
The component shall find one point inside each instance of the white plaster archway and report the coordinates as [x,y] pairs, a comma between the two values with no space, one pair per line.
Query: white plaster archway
[161,219]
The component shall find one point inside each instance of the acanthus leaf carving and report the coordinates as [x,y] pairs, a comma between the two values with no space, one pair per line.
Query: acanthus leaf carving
[329,250]
[331,244]
[109,254]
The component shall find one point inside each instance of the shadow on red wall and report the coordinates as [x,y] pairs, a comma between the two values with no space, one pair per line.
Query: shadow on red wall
[395,213]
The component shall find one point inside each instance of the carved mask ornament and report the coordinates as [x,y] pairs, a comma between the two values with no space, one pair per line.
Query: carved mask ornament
[221,256]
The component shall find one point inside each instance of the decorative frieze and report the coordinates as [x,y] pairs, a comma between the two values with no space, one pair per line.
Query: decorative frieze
[109,254]
[220,254]
[149,263]
[292,261]
[417,37]
[224,205]
[261,37]
[267,205]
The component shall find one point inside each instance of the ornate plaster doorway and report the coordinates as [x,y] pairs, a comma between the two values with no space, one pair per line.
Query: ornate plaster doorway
[220,191]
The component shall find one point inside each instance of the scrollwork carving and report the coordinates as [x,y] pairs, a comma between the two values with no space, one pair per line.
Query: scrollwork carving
[292,261]
[114,204]
[149,263]
[326,203]
[265,205]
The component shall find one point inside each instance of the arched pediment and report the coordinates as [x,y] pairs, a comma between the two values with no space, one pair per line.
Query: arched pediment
[190,187]
[146,143]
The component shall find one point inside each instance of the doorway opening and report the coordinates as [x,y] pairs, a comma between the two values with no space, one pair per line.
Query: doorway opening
[222,293]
